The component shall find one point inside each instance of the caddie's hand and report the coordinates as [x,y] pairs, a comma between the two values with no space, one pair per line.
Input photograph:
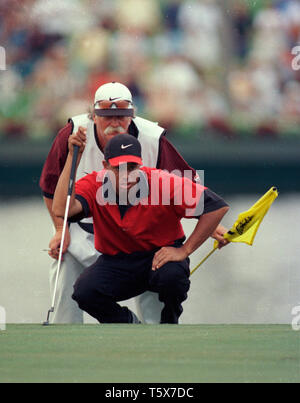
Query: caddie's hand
[168,254]
[54,244]
[77,139]
[218,235]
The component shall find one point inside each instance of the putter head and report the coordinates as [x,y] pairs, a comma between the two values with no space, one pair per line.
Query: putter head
[46,323]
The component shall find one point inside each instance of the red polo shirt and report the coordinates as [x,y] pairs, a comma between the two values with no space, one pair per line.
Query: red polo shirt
[152,223]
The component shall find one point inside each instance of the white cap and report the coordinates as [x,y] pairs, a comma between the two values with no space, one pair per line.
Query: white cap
[113,92]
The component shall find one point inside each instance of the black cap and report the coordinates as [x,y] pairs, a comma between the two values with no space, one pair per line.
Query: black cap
[123,148]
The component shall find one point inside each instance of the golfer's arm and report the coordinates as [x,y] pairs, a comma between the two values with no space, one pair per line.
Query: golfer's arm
[206,225]
[61,193]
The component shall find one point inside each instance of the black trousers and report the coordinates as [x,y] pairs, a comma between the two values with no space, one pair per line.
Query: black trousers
[117,278]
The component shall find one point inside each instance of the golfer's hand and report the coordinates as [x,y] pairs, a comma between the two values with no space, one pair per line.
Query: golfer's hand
[168,254]
[218,236]
[77,139]
[54,244]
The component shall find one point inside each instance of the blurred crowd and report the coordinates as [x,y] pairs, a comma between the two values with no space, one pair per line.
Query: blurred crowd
[195,66]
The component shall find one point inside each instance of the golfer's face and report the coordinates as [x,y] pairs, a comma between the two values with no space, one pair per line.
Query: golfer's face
[126,176]
[109,126]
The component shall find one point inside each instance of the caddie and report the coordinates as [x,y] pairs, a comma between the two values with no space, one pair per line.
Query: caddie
[137,212]
[113,114]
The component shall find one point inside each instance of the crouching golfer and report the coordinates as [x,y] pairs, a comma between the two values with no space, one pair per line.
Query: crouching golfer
[136,212]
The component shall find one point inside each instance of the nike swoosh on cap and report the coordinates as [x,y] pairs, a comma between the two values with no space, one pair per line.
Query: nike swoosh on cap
[123,147]
[113,99]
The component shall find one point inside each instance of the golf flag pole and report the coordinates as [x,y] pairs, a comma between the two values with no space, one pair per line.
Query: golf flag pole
[70,190]
[206,257]
[247,224]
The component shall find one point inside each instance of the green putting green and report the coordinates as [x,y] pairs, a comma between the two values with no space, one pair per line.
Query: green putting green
[149,353]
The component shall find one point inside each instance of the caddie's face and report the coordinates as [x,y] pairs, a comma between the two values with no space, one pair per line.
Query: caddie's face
[109,126]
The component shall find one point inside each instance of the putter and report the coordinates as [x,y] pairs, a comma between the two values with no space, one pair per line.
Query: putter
[70,189]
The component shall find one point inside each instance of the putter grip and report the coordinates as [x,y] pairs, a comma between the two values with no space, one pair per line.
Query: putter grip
[72,175]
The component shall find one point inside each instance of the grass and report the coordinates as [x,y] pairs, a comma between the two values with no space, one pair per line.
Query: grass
[149,353]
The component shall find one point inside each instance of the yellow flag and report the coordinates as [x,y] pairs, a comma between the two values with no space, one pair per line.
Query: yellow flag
[247,224]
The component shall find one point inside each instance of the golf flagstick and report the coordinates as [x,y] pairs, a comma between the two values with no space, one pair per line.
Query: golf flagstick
[70,189]
[204,259]
[248,222]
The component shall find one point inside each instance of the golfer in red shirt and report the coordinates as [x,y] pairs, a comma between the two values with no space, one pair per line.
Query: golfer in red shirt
[137,229]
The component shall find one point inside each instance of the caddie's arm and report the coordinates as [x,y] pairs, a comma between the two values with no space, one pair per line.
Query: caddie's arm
[203,230]
[61,191]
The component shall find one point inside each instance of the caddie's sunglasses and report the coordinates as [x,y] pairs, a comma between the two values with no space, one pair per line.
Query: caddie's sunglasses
[114,108]
[106,104]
